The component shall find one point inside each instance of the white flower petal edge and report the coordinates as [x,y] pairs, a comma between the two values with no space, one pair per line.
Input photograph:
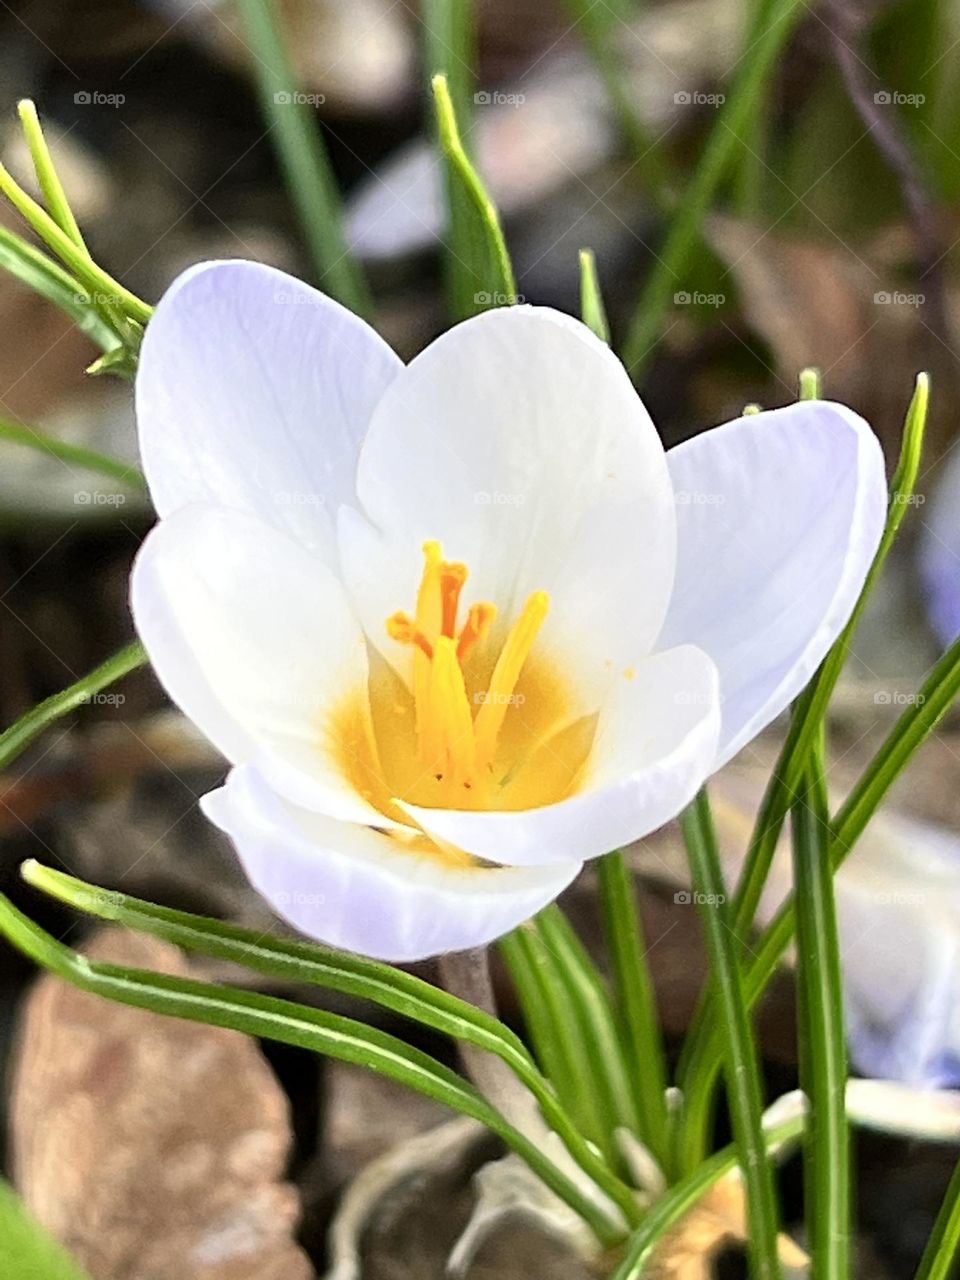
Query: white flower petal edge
[656,743]
[779,516]
[254,391]
[517,440]
[360,890]
[254,639]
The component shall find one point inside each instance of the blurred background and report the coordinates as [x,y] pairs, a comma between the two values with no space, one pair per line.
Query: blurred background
[808,158]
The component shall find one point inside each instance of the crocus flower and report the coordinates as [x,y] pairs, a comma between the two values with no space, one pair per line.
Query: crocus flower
[462,624]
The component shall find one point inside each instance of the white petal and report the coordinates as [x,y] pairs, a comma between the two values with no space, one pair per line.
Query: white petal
[517,440]
[778,518]
[656,741]
[361,890]
[253,638]
[255,391]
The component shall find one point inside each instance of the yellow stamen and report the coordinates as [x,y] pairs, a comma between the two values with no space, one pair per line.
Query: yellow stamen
[455,748]
[506,673]
[480,618]
[448,722]
[429,617]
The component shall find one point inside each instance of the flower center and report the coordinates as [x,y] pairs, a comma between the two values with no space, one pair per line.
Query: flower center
[489,719]
[457,746]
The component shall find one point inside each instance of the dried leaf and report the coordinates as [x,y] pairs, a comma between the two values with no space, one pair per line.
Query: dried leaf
[151,1146]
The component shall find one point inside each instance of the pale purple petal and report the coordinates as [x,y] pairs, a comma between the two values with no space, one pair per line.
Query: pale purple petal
[779,516]
[254,391]
[361,890]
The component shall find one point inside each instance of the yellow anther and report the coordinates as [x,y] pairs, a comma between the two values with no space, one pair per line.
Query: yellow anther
[480,618]
[500,695]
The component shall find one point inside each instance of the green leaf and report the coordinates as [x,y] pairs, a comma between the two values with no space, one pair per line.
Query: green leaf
[32,723]
[125,472]
[449,40]
[741,1065]
[942,1254]
[33,268]
[27,1252]
[545,1000]
[592,311]
[303,158]
[290,1023]
[480,246]
[769,32]
[635,1002]
[809,384]
[95,279]
[823,1054]
[599,26]
[50,185]
[297,960]
[591,1021]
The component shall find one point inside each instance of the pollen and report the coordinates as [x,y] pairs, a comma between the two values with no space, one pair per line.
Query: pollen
[457,737]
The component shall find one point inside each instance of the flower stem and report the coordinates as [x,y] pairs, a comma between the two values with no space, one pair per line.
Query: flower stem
[466,974]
